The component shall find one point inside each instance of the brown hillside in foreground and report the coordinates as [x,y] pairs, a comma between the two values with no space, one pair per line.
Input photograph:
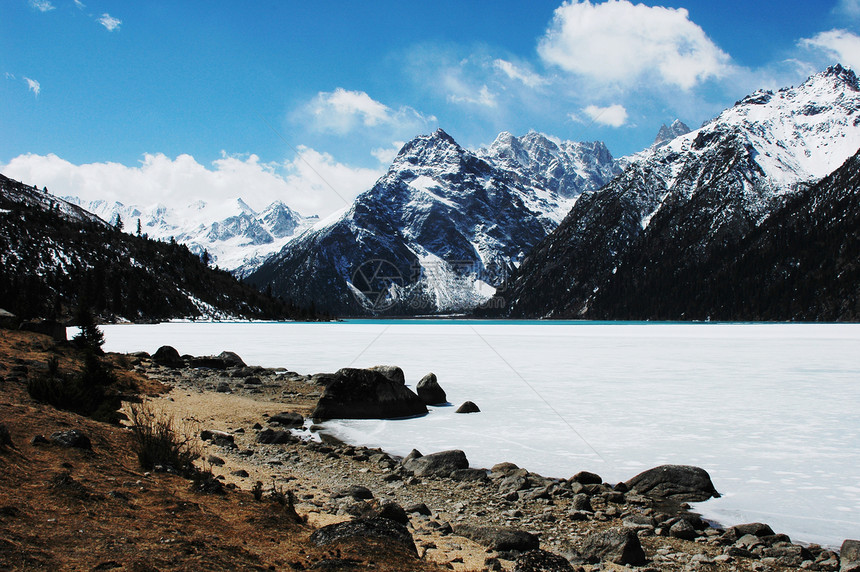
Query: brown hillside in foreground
[73,509]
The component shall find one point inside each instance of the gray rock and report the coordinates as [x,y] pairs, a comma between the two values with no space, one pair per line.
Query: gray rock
[288,419]
[366,394]
[581,502]
[440,464]
[615,545]
[231,359]
[223,387]
[541,561]
[755,528]
[71,438]
[586,478]
[270,437]
[168,357]
[393,511]
[683,530]
[468,475]
[418,508]
[430,392]
[849,556]
[376,528]
[681,483]
[468,407]
[216,461]
[220,438]
[788,554]
[357,492]
[498,538]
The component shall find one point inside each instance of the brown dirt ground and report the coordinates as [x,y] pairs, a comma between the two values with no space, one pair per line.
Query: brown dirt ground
[71,509]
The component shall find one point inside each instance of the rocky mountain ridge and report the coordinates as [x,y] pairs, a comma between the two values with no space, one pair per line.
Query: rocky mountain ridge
[697,195]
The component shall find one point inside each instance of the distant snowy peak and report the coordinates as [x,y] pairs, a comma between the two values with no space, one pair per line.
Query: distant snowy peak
[666,134]
[235,236]
[565,167]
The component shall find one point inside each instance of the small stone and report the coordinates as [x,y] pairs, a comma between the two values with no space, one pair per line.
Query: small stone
[468,407]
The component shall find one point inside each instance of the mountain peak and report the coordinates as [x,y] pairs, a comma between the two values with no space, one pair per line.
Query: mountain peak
[836,76]
[666,134]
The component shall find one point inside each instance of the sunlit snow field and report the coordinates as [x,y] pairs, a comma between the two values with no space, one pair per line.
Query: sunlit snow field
[771,411]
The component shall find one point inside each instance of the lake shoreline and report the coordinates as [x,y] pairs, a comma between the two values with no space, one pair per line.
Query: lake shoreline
[314,459]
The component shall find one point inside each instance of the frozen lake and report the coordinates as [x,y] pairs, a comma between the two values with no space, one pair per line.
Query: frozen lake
[769,410]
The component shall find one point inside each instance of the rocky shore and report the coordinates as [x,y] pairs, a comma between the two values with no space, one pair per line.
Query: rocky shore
[252,424]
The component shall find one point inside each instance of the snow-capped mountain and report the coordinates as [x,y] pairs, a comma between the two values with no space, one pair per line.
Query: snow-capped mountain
[441,229]
[55,256]
[235,236]
[678,204]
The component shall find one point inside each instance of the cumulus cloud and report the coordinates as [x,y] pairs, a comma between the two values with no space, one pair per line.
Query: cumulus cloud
[525,76]
[841,45]
[42,5]
[312,183]
[342,111]
[109,22]
[34,86]
[622,43]
[613,115]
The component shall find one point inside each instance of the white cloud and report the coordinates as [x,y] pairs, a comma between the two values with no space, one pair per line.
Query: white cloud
[518,73]
[613,115]
[80,4]
[342,111]
[841,45]
[385,155]
[484,97]
[109,22]
[42,5]
[621,43]
[10,75]
[313,183]
[34,86]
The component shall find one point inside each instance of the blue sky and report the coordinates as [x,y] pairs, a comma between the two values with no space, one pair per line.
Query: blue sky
[163,101]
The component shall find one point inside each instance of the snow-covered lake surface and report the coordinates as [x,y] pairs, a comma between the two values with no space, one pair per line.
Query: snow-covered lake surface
[770,411]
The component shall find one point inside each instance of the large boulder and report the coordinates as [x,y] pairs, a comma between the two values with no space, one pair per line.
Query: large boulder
[429,390]
[440,464]
[366,394]
[502,539]
[849,556]
[361,529]
[615,545]
[681,483]
[168,357]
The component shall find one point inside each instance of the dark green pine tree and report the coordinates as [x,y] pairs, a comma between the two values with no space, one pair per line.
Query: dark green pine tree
[90,337]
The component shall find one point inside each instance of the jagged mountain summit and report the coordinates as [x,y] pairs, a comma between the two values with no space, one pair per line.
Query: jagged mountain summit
[666,134]
[235,236]
[679,204]
[441,230]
